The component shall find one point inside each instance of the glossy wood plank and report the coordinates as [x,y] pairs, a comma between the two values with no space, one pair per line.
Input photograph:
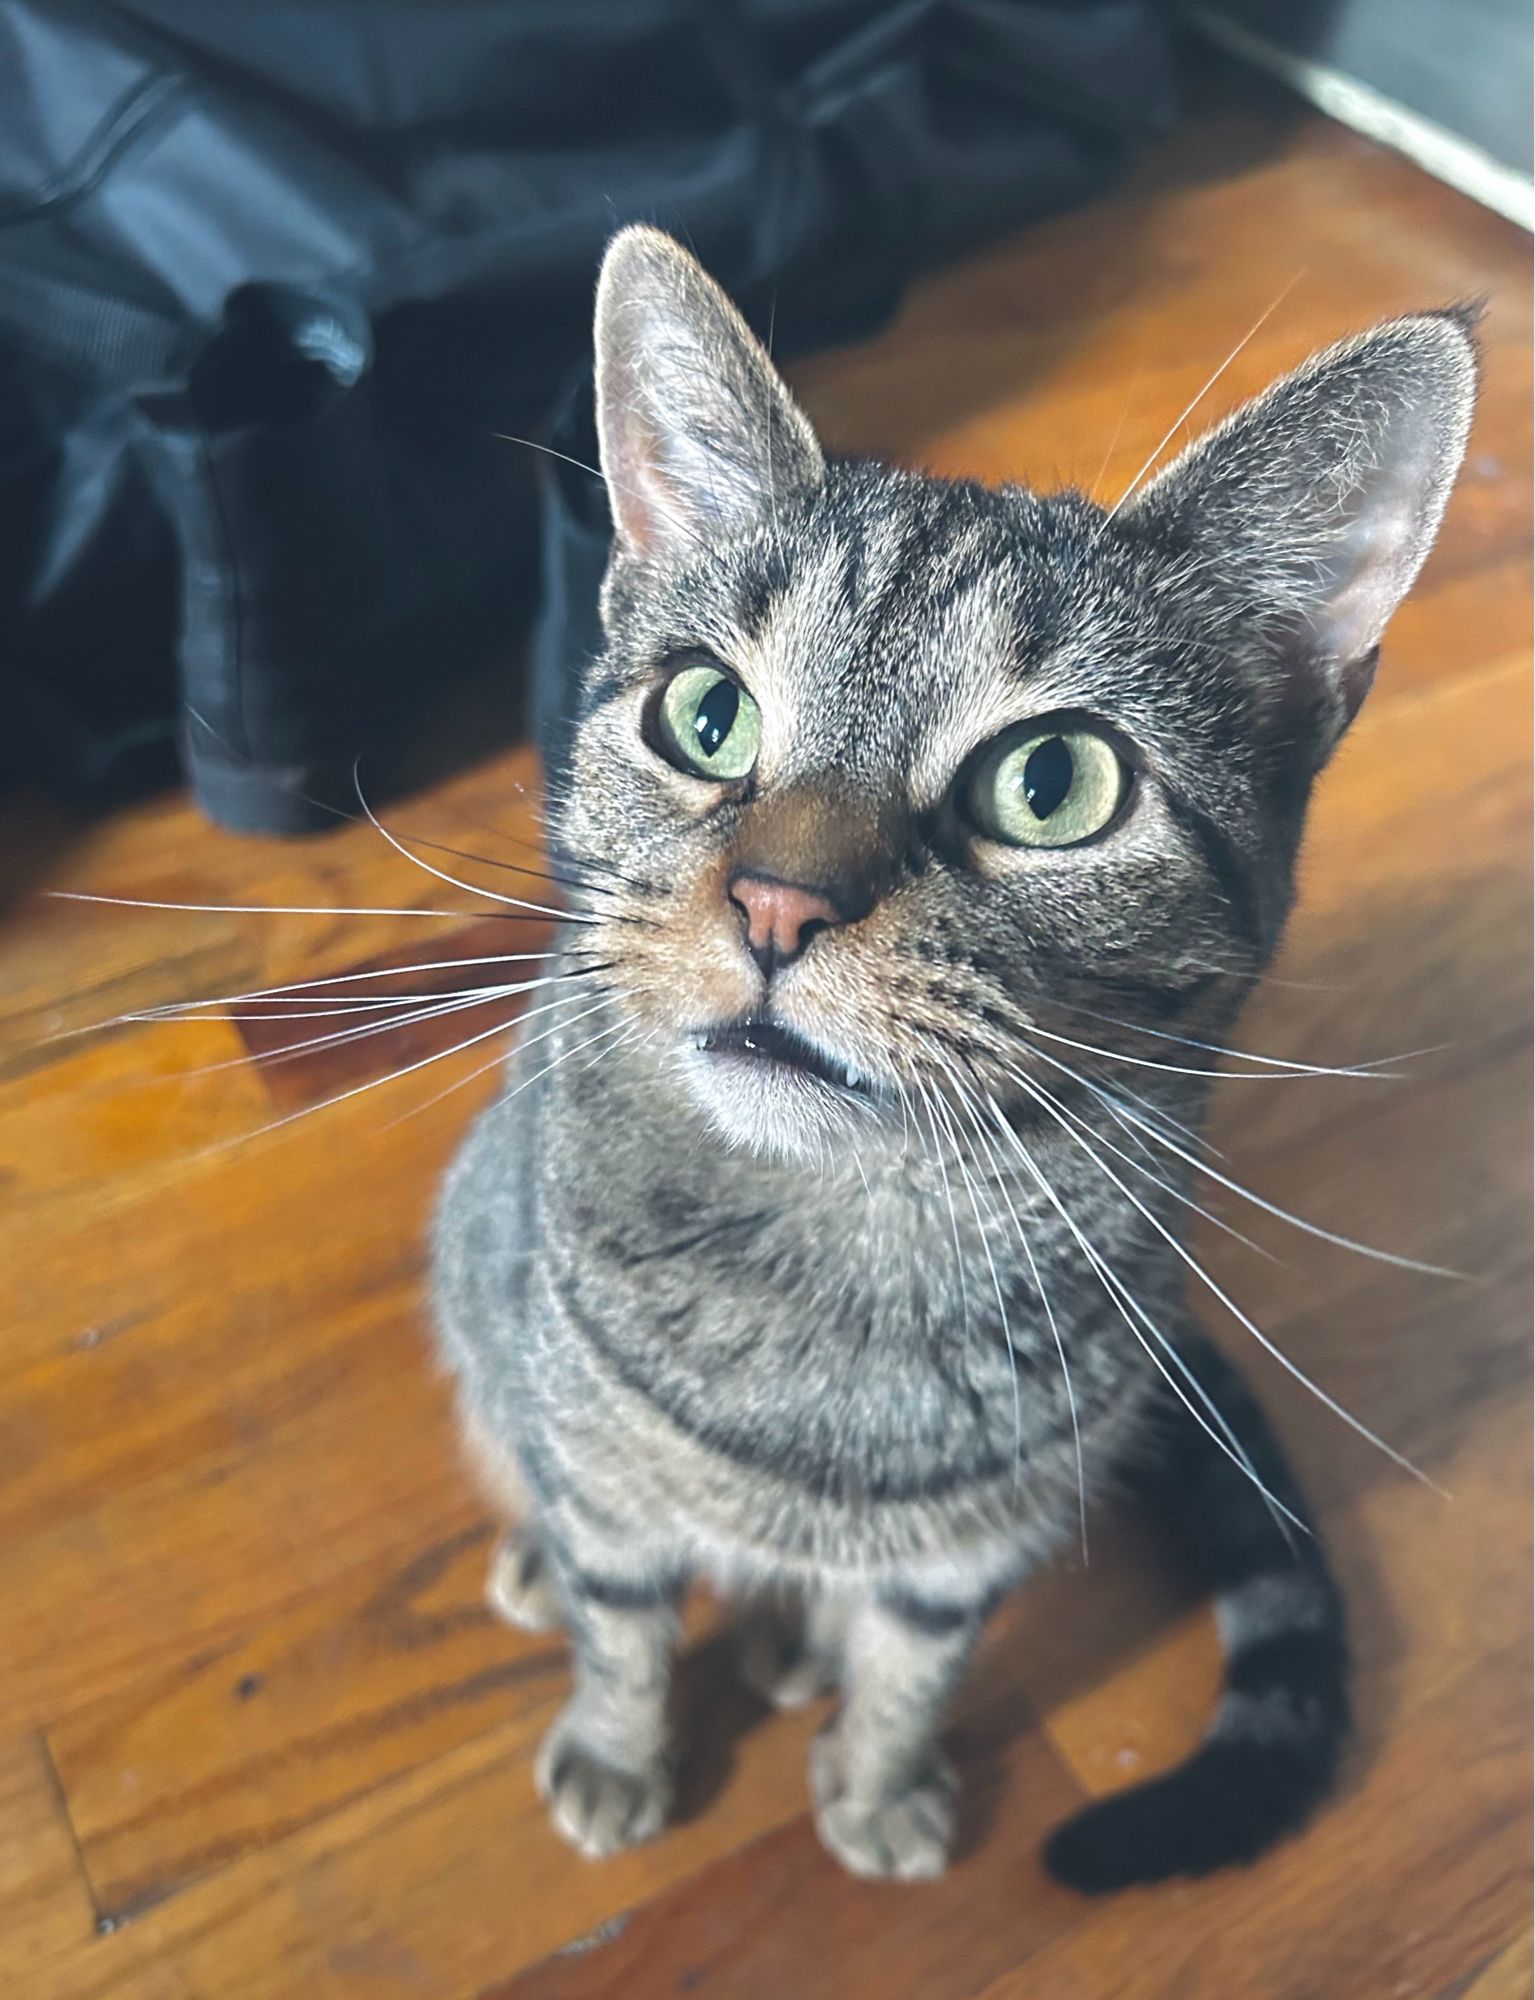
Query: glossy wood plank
[273,1229]
[315,1707]
[70,965]
[1508,1977]
[160,1490]
[771,1920]
[45,1904]
[443,1880]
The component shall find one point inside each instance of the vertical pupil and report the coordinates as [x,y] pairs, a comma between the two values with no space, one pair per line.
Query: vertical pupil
[1047,777]
[714,718]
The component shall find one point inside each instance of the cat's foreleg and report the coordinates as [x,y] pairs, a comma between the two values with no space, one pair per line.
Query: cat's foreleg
[884,1791]
[604,1769]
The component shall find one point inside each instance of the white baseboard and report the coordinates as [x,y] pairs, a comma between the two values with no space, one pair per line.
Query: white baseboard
[1440,153]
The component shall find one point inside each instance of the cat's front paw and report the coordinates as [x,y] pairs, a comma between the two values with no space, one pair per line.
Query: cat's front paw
[903,1836]
[594,1805]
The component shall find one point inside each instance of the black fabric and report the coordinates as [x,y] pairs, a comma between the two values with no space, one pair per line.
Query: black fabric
[272,278]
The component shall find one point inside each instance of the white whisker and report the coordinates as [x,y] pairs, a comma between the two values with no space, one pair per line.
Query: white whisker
[463,1082]
[1283,1214]
[274,1011]
[377,1083]
[192,1013]
[1168,1187]
[1153,1110]
[456,881]
[1190,407]
[275,909]
[409,1019]
[1237,1075]
[948,1192]
[1044,1299]
[1247,1055]
[1130,1310]
[1043,1097]
[1097,479]
[647,499]
[996,1285]
[279,1005]
[299,987]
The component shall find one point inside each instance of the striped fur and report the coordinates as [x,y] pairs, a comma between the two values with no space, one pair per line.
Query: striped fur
[847,1351]
[1273,1748]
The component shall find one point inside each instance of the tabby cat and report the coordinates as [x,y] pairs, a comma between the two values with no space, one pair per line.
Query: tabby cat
[827,1240]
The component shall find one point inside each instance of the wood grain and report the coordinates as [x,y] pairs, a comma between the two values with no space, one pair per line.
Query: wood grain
[45,1903]
[1507,1977]
[319,1705]
[253,1718]
[440,1881]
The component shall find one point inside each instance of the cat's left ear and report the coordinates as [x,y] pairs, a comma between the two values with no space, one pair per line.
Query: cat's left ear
[700,439]
[1320,500]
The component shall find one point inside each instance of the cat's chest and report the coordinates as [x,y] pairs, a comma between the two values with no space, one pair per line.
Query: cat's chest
[807,1385]
[842,1360]
[840,1448]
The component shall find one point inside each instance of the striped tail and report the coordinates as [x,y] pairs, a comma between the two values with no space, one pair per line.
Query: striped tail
[1273,1750]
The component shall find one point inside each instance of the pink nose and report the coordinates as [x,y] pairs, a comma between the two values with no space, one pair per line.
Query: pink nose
[781,917]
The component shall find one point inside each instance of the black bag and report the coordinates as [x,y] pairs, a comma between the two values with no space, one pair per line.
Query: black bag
[271,282]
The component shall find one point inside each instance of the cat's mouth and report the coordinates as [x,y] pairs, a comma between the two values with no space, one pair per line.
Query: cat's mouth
[773,1050]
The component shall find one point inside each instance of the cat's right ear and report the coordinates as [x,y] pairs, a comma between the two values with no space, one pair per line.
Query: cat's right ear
[1320,500]
[700,440]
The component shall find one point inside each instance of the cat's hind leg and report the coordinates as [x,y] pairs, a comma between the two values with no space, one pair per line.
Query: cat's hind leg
[790,1647]
[520,1586]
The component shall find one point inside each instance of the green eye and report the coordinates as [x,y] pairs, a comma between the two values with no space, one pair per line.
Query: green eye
[1051,788]
[710,724]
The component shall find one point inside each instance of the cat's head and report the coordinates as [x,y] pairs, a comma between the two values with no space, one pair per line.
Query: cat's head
[887,779]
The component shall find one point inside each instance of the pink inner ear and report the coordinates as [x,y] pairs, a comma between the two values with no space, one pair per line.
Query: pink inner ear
[1355,680]
[699,436]
[627,472]
[1371,563]
[645,509]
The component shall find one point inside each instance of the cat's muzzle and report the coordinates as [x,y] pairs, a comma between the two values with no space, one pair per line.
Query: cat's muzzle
[766,1046]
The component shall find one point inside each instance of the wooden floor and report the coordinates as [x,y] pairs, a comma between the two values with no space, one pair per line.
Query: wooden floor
[258,1738]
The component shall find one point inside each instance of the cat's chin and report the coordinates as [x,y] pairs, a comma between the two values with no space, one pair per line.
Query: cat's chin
[770,1109]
